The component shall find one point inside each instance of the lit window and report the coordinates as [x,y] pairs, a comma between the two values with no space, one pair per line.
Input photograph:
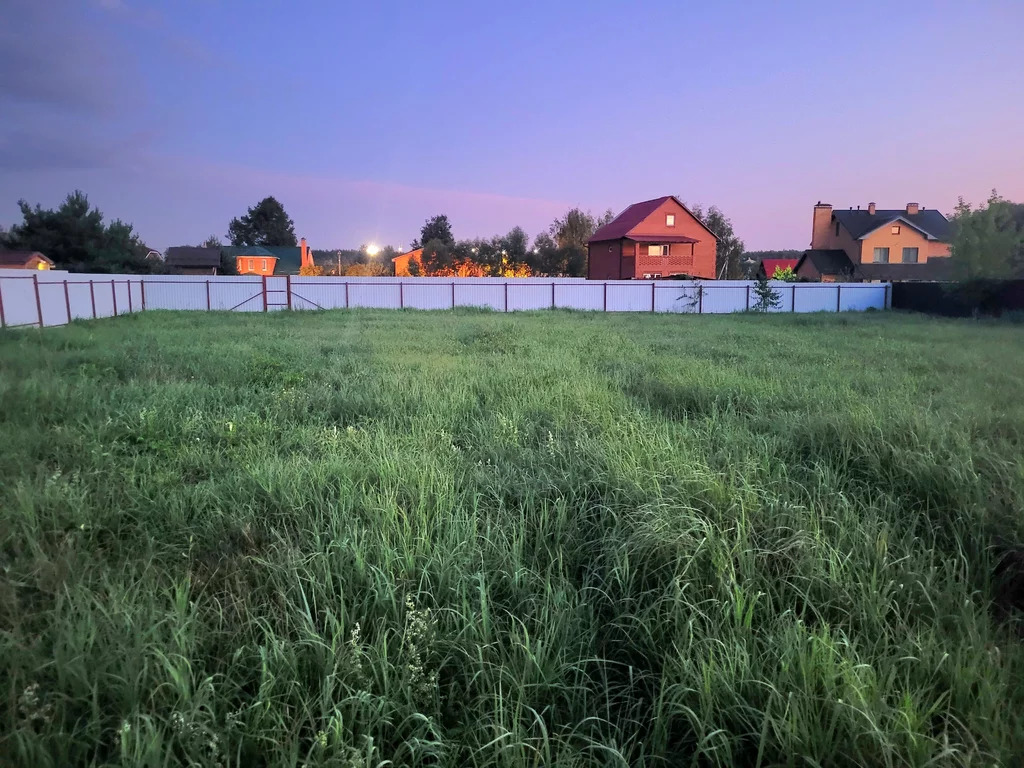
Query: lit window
[881,256]
[910,255]
[657,250]
[670,219]
[895,229]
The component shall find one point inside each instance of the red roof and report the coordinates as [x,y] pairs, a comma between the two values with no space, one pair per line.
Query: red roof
[770,265]
[629,218]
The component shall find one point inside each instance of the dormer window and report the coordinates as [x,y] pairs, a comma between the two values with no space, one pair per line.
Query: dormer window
[670,219]
[895,229]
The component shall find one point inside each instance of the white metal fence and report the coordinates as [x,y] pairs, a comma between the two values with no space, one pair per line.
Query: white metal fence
[47,298]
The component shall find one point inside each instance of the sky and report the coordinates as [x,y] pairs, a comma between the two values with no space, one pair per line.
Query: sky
[366,118]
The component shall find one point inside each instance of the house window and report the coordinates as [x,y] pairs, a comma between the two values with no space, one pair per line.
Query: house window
[910,255]
[251,264]
[881,256]
[657,250]
[670,219]
[895,229]
[263,266]
[611,248]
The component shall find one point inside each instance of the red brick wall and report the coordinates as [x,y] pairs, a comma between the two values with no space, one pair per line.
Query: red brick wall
[679,261]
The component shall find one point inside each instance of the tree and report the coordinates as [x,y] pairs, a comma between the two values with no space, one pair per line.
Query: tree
[266,223]
[730,248]
[211,242]
[515,244]
[76,238]
[988,241]
[767,296]
[437,228]
[786,275]
[437,257]
[312,270]
[573,230]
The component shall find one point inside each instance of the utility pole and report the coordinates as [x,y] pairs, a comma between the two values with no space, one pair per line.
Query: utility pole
[338,254]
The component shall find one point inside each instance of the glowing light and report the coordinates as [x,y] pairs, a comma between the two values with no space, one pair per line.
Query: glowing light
[372,249]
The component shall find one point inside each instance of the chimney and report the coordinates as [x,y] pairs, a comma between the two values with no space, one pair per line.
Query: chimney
[871,208]
[306,259]
[912,208]
[821,225]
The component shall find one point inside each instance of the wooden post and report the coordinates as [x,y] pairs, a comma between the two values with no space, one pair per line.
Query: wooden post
[700,299]
[839,297]
[39,304]
[264,292]
[506,296]
[605,303]
[142,287]
[288,285]
[748,298]
[209,304]
[652,295]
[401,295]
[67,299]
[92,297]
[113,294]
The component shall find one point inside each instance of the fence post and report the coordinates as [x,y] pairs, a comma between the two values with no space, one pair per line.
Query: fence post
[209,304]
[552,294]
[700,298]
[605,302]
[401,295]
[131,307]
[792,307]
[652,295]
[3,319]
[264,292]
[506,295]
[39,304]
[113,294]
[839,298]
[453,294]
[748,298]
[92,297]
[142,287]
[346,293]
[67,299]
[288,285]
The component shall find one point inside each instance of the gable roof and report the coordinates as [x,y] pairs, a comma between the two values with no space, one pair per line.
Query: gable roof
[289,257]
[929,222]
[415,253]
[827,262]
[20,258]
[622,224]
[188,256]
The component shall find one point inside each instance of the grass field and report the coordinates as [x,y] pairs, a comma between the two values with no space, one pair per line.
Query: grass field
[472,539]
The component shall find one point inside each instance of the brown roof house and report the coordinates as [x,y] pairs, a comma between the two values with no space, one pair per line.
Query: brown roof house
[655,238]
[189,260]
[910,243]
[24,260]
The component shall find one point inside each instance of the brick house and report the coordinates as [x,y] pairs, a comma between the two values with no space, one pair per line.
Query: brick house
[652,239]
[910,243]
[270,259]
[24,260]
[401,261]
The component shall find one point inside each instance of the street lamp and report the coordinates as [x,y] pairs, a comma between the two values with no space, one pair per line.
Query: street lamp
[372,249]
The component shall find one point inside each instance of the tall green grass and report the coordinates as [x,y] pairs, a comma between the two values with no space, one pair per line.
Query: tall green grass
[467,539]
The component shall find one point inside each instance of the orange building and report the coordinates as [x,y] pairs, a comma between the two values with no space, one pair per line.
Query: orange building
[272,260]
[24,260]
[910,243]
[652,239]
[401,262]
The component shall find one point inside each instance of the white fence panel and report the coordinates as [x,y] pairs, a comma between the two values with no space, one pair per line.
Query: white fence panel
[631,296]
[376,293]
[816,297]
[480,294]
[584,296]
[725,298]
[529,295]
[858,297]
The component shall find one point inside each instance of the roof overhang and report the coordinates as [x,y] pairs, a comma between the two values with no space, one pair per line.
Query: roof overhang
[661,239]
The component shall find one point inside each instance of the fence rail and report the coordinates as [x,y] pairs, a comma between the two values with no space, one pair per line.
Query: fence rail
[43,299]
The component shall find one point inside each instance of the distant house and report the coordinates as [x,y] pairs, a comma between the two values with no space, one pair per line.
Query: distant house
[191,260]
[401,262]
[270,259]
[768,266]
[24,260]
[910,243]
[652,239]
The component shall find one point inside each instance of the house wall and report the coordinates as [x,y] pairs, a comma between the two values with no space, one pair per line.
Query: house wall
[253,265]
[907,238]
[604,259]
[808,271]
[402,262]
[686,225]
